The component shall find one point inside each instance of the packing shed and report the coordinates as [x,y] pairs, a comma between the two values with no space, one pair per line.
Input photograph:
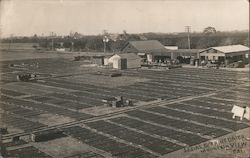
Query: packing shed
[225,54]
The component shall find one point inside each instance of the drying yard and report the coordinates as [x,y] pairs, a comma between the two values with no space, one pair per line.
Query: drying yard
[173,109]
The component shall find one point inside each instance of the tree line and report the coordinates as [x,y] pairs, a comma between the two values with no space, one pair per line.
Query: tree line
[77,42]
[202,40]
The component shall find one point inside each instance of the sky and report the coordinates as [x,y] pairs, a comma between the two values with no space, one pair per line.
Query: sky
[91,17]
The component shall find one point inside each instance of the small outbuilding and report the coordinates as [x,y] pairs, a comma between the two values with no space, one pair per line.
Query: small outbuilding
[125,61]
[225,54]
[98,60]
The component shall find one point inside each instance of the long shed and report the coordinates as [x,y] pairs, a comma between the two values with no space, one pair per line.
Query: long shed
[227,54]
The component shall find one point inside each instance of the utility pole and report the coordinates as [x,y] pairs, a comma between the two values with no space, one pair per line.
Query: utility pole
[52,40]
[105,39]
[72,46]
[11,38]
[188,30]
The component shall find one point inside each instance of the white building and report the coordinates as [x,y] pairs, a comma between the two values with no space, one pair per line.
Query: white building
[231,53]
[125,61]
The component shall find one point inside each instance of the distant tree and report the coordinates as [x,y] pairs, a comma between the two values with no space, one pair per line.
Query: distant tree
[125,32]
[182,43]
[125,35]
[67,44]
[209,30]
[44,43]
[57,45]
[105,33]
[80,44]
[35,37]
[201,40]
[227,41]
[77,35]
[95,44]
[133,37]
[206,42]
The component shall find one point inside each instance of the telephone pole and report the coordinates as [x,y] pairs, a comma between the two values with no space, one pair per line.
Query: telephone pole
[10,42]
[52,34]
[105,39]
[188,30]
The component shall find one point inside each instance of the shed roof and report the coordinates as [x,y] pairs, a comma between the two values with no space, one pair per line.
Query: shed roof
[128,55]
[230,48]
[185,51]
[147,46]
[178,51]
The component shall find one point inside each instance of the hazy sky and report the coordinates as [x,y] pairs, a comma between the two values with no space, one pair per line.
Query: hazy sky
[26,17]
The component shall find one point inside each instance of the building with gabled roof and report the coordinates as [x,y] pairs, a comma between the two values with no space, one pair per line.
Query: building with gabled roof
[227,54]
[229,49]
[148,46]
[149,50]
[154,51]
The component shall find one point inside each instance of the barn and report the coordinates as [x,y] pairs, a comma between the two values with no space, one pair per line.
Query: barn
[154,51]
[125,61]
[225,54]
[149,50]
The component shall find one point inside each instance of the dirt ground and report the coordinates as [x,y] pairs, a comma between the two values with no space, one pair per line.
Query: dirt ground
[245,69]
[233,145]
[107,81]
[33,88]
[19,55]
[12,130]
[102,110]
[62,147]
[52,119]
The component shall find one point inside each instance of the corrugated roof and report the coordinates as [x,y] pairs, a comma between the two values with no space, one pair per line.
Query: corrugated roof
[231,48]
[149,46]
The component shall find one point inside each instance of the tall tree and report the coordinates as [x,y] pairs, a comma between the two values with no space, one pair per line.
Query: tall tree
[209,30]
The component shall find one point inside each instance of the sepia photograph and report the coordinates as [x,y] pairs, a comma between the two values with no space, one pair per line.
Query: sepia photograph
[124,79]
